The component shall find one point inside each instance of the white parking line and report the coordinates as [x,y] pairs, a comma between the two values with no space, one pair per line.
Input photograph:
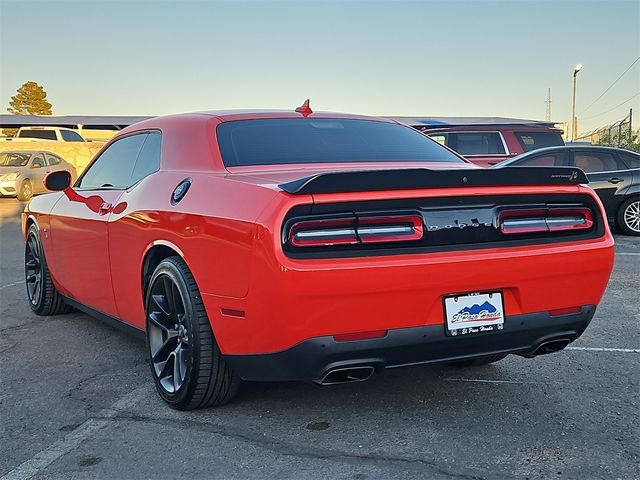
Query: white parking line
[482,380]
[601,349]
[627,254]
[11,284]
[73,439]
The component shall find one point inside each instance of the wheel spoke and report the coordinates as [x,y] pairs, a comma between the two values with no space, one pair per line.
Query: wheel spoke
[168,294]
[156,319]
[177,380]
[36,290]
[33,247]
[164,351]
[182,362]
[161,302]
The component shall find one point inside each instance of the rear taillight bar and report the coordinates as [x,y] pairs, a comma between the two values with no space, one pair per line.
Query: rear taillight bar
[543,220]
[356,230]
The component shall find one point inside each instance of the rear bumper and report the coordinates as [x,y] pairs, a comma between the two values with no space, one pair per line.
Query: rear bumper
[312,359]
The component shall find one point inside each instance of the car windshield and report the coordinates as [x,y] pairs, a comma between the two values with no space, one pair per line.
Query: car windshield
[306,140]
[14,159]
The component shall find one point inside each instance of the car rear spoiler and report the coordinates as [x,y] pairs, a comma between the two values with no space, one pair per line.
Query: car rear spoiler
[418,178]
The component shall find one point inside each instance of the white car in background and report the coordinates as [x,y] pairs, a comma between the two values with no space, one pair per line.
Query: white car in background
[22,172]
[59,134]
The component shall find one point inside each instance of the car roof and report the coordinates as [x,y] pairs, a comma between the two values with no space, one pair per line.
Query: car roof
[30,151]
[575,147]
[251,114]
[543,150]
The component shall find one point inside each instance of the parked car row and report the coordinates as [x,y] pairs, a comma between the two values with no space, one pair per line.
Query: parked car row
[22,172]
[487,141]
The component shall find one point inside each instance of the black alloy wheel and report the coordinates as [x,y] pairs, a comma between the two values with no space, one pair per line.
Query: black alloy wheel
[43,297]
[168,334]
[188,368]
[33,269]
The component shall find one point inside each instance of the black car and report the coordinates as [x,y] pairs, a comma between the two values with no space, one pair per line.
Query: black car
[614,173]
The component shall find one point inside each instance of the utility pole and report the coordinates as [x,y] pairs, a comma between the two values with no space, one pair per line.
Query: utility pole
[548,102]
[574,120]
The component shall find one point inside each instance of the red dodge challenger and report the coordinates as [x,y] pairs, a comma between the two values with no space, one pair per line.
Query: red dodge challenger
[315,247]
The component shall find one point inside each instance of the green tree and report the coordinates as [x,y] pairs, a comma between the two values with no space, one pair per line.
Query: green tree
[30,99]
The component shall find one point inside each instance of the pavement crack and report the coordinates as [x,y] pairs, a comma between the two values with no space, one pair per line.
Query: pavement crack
[284,448]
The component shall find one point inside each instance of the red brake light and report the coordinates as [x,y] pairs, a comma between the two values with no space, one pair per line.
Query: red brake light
[564,311]
[356,230]
[314,233]
[542,220]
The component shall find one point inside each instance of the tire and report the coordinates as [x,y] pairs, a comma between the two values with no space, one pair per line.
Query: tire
[26,191]
[188,369]
[43,297]
[477,362]
[628,218]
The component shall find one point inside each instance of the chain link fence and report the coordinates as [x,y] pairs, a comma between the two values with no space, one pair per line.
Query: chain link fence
[618,134]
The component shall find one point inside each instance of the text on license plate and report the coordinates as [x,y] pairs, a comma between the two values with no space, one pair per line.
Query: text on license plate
[473,313]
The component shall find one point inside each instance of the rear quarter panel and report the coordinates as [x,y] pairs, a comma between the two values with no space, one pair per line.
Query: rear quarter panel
[212,228]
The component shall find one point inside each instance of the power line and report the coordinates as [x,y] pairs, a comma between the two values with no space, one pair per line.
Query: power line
[611,109]
[609,87]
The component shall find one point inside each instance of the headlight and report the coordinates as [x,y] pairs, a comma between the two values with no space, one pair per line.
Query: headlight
[10,176]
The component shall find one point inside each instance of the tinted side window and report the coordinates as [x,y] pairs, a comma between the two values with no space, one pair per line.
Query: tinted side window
[476,143]
[68,136]
[544,160]
[38,160]
[114,167]
[149,158]
[52,159]
[534,140]
[42,134]
[597,162]
[631,159]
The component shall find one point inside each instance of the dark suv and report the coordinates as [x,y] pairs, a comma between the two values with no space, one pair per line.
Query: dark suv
[614,174]
[487,141]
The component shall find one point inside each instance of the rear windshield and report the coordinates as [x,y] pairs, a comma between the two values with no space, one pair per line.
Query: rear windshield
[534,140]
[305,140]
[43,134]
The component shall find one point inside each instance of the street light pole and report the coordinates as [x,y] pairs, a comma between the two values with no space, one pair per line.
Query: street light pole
[574,123]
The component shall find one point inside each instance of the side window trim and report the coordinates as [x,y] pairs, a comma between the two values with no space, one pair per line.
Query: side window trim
[149,134]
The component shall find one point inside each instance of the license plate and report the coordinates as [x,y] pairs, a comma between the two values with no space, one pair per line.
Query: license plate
[474,313]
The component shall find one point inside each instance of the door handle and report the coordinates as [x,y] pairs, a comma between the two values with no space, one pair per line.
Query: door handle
[615,180]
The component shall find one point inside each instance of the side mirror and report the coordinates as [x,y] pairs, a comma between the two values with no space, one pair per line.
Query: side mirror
[59,180]
[36,165]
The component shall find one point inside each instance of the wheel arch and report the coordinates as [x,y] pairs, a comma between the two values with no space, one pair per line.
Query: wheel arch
[153,255]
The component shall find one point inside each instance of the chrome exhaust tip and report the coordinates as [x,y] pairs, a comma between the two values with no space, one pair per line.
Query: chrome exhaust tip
[347,375]
[552,346]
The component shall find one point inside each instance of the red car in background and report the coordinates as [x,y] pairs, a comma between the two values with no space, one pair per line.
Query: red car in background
[487,141]
[315,247]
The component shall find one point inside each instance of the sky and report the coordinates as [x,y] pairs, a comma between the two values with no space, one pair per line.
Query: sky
[419,58]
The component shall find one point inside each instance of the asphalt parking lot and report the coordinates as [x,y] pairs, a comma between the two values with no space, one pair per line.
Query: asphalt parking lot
[77,401]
